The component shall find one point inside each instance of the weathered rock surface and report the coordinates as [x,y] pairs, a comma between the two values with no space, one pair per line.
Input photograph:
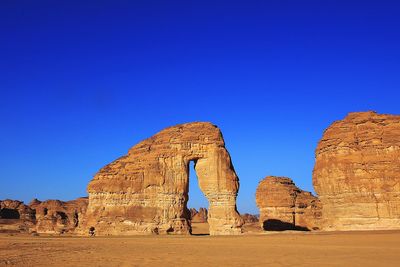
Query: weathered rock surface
[15,216]
[50,216]
[55,216]
[200,216]
[146,191]
[283,206]
[15,209]
[357,172]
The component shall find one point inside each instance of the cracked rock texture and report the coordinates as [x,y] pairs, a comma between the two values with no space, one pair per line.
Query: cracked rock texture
[357,172]
[283,206]
[146,191]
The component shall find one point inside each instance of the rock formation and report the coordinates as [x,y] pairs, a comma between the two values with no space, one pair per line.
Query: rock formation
[357,173]
[249,218]
[15,209]
[283,206]
[50,216]
[199,216]
[56,217]
[15,216]
[146,191]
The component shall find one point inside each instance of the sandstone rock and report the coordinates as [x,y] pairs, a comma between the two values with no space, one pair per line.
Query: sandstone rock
[249,218]
[15,216]
[146,191]
[193,212]
[15,209]
[357,172]
[34,203]
[199,216]
[283,206]
[55,216]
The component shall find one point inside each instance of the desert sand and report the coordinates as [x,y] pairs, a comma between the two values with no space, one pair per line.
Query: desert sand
[373,248]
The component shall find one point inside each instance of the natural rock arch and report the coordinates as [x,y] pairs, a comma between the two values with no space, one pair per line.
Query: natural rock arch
[146,191]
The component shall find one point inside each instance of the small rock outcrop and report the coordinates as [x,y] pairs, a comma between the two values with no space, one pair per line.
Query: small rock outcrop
[249,218]
[200,216]
[357,173]
[146,191]
[283,206]
[50,216]
[15,209]
[15,216]
[56,217]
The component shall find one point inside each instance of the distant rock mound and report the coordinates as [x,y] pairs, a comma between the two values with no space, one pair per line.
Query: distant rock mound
[357,173]
[200,216]
[249,218]
[146,191]
[15,216]
[50,216]
[283,206]
[15,209]
[56,217]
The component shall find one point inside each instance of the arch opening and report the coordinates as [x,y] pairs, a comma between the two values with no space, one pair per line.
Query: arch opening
[197,204]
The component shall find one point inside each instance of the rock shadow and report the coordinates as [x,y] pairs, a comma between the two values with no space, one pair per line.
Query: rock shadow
[278,225]
[9,214]
[199,234]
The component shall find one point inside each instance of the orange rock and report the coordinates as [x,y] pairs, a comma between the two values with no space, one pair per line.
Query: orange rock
[15,216]
[146,191]
[283,206]
[15,209]
[199,216]
[55,216]
[357,172]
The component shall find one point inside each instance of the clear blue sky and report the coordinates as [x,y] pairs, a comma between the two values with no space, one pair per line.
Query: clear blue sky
[82,83]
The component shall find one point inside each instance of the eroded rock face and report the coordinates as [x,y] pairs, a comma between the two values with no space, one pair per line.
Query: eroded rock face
[15,216]
[283,206]
[15,209]
[357,172]
[199,216]
[146,191]
[55,216]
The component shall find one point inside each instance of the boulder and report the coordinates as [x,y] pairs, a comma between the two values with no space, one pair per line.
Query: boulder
[283,206]
[357,173]
[146,191]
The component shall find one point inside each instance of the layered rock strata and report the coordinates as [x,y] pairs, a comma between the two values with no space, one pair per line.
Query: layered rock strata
[283,206]
[357,172]
[146,191]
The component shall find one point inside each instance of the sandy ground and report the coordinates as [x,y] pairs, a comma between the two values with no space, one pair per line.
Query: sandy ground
[258,249]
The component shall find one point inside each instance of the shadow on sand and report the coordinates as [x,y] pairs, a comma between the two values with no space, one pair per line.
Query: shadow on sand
[278,225]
